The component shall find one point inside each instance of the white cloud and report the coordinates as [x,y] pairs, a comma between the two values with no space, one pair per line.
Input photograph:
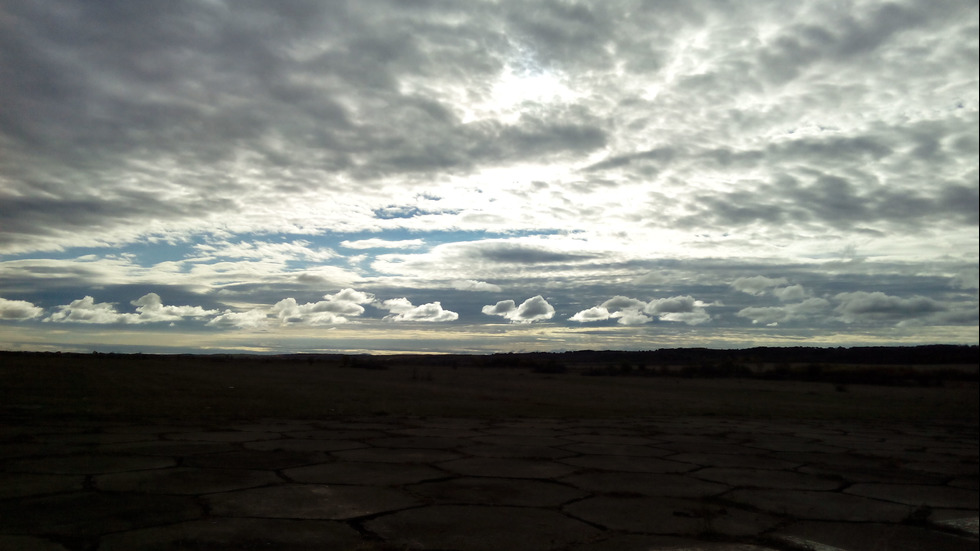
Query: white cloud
[402,310]
[474,285]
[337,308]
[375,243]
[86,310]
[531,310]
[249,319]
[19,310]
[149,309]
[630,311]
[596,313]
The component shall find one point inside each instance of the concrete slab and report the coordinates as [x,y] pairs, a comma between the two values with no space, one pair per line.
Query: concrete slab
[526,452]
[480,528]
[93,513]
[396,455]
[733,460]
[625,463]
[671,516]
[309,501]
[884,537]
[806,504]
[26,484]
[496,491]
[223,436]
[297,444]
[650,484]
[764,478]
[185,480]
[28,543]
[507,467]
[920,495]
[89,464]
[234,534]
[364,473]
[633,542]
[257,459]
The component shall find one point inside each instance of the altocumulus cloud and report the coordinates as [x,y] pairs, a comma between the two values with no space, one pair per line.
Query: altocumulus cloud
[337,308]
[531,310]
[19,310]
[402,310]
[149,309]
[631,311]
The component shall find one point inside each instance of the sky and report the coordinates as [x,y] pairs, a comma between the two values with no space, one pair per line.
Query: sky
[473,176]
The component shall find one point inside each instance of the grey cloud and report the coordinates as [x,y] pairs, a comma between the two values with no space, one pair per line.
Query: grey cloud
[19,310]
[864,306]
[807,309]
[513,253]
[757,285]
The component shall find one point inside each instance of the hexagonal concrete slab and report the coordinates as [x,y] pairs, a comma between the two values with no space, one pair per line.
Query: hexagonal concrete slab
[235,533]
[309,501]
[480,528]
[497,491]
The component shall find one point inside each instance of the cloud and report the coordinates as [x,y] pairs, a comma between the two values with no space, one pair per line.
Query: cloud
[630,311]
[531,310]
[337,308]
[86,310]
[375,243]
[757,285]
[149,309]
[477,286]
[402,310]
[19,310]
[877,306]
[769,315]
[249,319]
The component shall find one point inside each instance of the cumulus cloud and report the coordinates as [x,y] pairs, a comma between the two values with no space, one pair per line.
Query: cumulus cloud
[249,319]
[630,311]
[86,310]
[774,315]
[531,310]
[402,310]
[877,306]
[19,310]
[337,308]
[474,285]
[757,285]
[149,309]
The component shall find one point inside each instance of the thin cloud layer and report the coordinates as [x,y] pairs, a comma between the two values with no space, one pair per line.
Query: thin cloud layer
[804,171]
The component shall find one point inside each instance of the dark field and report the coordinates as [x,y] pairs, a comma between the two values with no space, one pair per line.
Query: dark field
[193,389]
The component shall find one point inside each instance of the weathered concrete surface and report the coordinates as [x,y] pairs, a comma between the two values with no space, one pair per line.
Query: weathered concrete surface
[461,484]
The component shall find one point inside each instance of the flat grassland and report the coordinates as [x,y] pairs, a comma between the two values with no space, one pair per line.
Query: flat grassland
[189,389]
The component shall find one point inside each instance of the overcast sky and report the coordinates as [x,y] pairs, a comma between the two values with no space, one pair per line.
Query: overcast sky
[487,176]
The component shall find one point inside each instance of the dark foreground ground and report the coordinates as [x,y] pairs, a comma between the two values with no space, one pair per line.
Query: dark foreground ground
[123,452]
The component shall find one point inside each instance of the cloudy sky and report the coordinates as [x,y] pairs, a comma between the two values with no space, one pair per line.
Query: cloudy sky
[467,176]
